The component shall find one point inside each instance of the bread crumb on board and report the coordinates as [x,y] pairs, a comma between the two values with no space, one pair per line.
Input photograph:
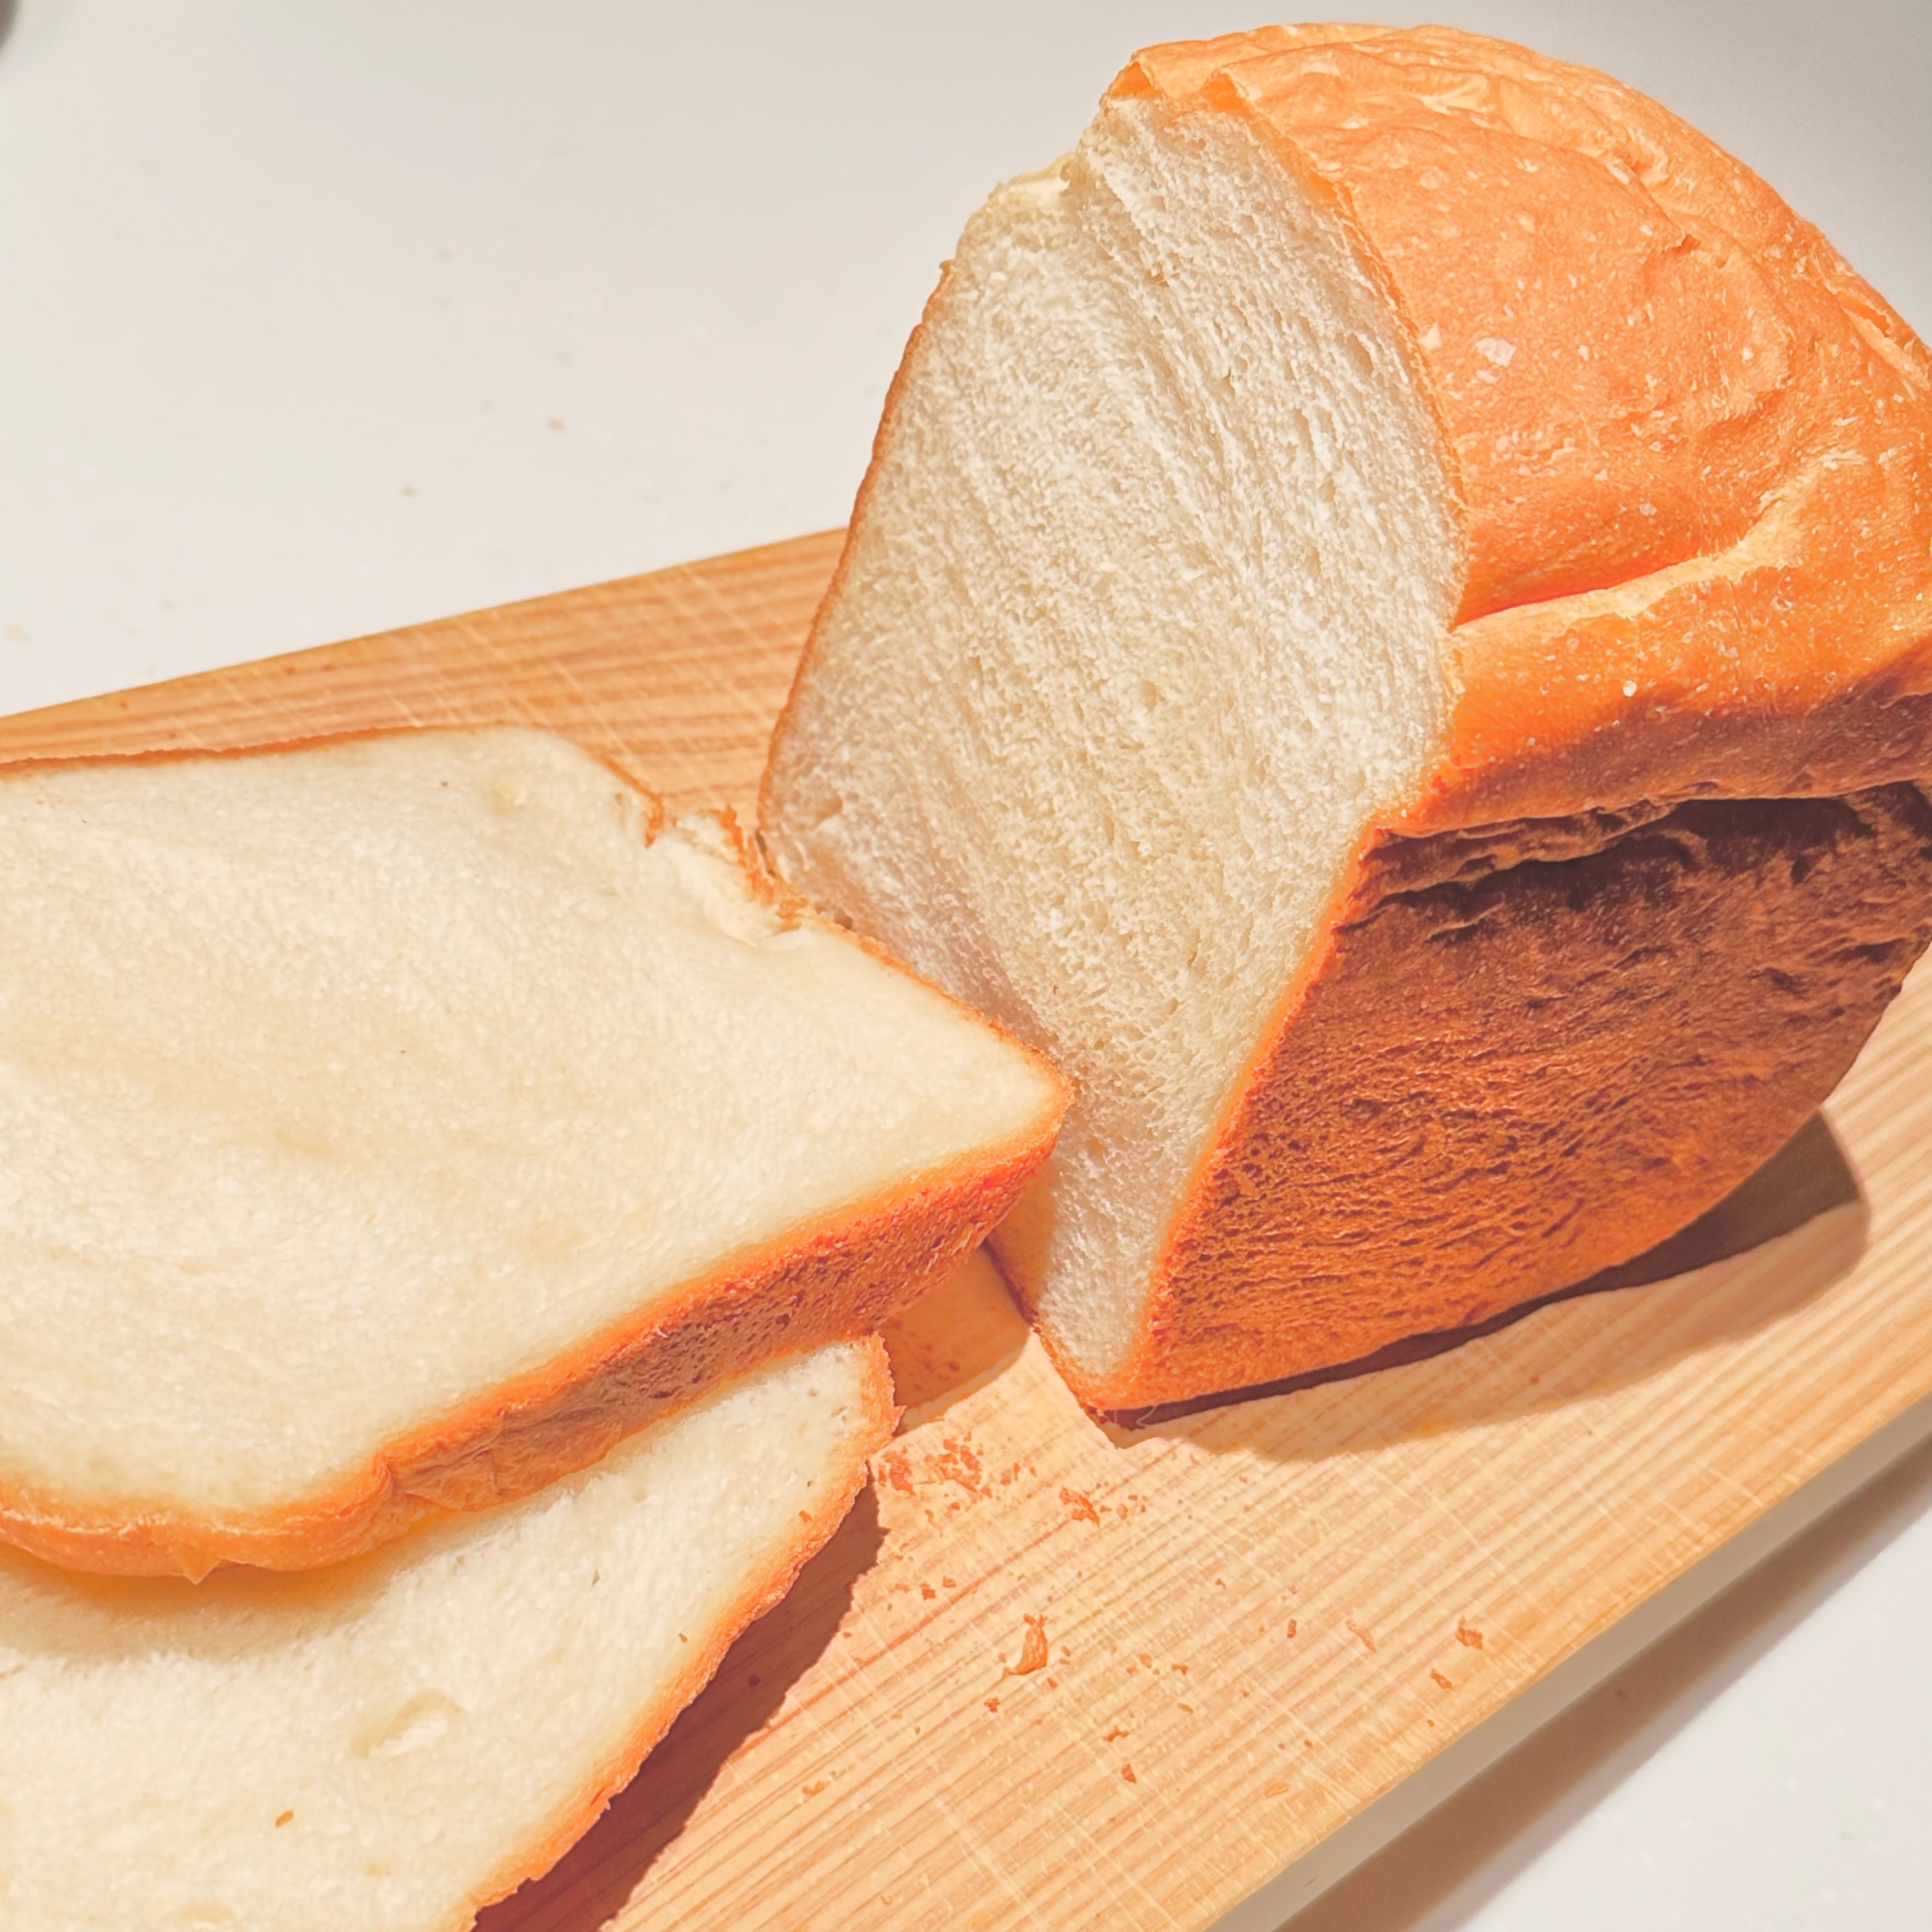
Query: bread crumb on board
[1033,1649]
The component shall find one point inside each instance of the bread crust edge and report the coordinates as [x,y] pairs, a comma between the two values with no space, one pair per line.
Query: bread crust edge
[571,1820]
[831,1279]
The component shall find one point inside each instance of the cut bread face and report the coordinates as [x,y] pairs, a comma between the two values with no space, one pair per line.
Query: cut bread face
[1156,546]
[1365,437]
[395,1742]
[391,1124]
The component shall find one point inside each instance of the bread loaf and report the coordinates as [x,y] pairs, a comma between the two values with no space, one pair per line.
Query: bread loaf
[1389,630]
[389,1126]
[391,1743]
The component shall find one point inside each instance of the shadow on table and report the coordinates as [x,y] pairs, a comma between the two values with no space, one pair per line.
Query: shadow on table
[1445,1868]
[958,1338]
[593,1880]
[1780,1238]
[1776,1241]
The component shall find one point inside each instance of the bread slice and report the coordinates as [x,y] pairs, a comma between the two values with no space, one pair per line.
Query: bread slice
[393,1124]
[1324,537]
[395,1742]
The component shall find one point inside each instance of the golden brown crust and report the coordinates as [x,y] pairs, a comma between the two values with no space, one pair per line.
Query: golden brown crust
[1692,449]
[761,1594]
[1526,1055]
[1693,459]
[827,1280]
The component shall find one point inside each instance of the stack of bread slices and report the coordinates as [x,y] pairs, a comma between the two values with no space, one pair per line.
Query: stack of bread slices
[1388,634]
[430,1180]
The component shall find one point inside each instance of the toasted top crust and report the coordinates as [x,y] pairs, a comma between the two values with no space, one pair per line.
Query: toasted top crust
[1694,448]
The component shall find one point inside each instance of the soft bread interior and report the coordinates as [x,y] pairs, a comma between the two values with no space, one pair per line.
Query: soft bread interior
[1137,632]
[339,1087]
[389,1744]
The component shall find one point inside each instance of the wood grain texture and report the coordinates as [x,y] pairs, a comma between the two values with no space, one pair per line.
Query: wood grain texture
[1051,1675]
[675,677]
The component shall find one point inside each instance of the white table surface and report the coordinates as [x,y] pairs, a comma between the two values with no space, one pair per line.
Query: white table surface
[318,318]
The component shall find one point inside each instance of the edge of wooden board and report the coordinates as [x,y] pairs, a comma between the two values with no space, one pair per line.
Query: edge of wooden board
[1569,1681]
[1272,1630]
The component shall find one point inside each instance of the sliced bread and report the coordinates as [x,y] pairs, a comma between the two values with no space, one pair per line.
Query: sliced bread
[392,1744]
[390,1126]
[1323,539]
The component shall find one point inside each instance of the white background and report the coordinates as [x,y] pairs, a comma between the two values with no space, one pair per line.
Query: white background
[321,318]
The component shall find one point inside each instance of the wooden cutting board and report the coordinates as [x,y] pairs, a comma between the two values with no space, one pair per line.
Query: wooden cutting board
[1051,1675]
